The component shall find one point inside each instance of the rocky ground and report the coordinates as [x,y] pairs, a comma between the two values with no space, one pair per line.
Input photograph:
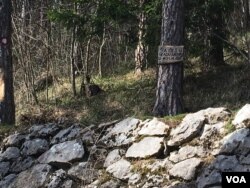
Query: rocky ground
[129,153]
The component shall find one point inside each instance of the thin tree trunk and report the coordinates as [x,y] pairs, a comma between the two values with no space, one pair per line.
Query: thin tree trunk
[72,65]
[170,76]
[141,49]
[7,105]
[100,52]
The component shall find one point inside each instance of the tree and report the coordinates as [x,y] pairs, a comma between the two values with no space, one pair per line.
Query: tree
[7,106]
[170,75]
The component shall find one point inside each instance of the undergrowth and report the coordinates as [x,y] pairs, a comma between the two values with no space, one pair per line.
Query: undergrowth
[126,94]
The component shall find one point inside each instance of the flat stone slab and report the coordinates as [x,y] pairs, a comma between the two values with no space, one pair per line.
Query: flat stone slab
[122,133]
[237,140]
[112,157]
[34,177]
[189,128]
[185,169]
[210,130]
[147,147]
[34,147]
[121,169]
[154,128]
[83,172]
[11,153]
[242,118]
[67,134]
[14,140]
[187,152]
[63,153]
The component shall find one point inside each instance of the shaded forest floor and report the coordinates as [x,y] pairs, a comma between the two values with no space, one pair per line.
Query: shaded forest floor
[129,95]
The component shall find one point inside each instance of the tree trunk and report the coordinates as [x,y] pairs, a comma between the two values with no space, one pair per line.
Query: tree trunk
[72,64]
[170,76]
[7,105]
[247,4]
[141,49]
[213,55]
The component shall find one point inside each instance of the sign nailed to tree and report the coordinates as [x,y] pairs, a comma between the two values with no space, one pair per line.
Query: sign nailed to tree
[170,54]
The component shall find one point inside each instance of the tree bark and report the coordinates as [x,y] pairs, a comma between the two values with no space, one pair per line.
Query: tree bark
[141,49]
[170,76]
[7,105]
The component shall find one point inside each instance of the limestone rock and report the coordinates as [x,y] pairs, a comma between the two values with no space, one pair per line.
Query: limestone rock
[232,142]
[122,133]
[14,140]
[210,130]
[63,153]
[4,168]
[242,118]
[112,157]
[68,134]
[111,184]
[209,178]
[147,147]
[6,181]
[56,179]
[121,169]
[34,147]
[154,128]
[67,184]
[11,153]
[187,152]
[43,131]
[34,177]
[189,128]
[21,164]
[185,169]
[83,172]
[215,115]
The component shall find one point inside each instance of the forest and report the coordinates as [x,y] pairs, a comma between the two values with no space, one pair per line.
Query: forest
[98,60]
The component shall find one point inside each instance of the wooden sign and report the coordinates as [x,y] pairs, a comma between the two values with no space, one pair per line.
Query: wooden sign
[170,54]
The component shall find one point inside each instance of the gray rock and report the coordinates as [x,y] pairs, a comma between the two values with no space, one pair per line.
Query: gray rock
[67,184]
[63,154]
[122,133]
[181,185]
[121,169]
[210,130]
[111,184]
[83,172]
[112,157]
[209,178]
[245,160]
[185,169]
[88,138]
[215,115]
[22,164]
[154,128]
[187,152]
[6,181]
[226,163]
[14,140]
[189,128]
[11,153]
[68,134]
[233,141]
[147,147]
[134,179]
[43,131]
[57,178]
[4,168]
[34,177]
[34,147]
[242,118]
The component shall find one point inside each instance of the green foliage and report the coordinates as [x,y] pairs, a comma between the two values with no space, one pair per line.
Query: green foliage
[201,22]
